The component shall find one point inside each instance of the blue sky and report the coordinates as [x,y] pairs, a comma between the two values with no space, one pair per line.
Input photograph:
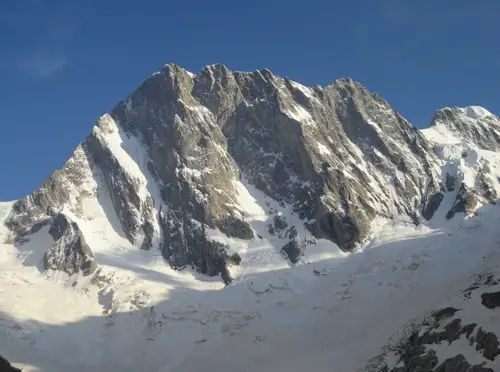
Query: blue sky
[66,62]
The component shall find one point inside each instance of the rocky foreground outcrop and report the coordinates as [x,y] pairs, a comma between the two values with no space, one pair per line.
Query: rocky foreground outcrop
[5,366]
[171,153]
[451,339]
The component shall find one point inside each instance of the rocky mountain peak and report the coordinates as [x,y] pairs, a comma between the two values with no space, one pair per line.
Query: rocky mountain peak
[473,125]
[175,155]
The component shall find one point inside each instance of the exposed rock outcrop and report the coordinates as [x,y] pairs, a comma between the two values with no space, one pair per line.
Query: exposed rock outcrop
[292,251]
[465,202]
[443,332]
[491,300]
[472,124]
[70,252]
[171,154]
[5,366]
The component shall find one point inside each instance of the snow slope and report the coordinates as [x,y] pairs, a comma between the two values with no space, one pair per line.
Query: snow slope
[5,208]
[476,112]
[271,318]
[343,319]
[136,291]
[333,311]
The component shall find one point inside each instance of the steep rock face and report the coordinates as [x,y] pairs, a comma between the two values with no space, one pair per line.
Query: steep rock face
[131,197]
[171,153]
[462,139]
[187,161]
[65,188]
[70,252]
[323,150]
[465,202]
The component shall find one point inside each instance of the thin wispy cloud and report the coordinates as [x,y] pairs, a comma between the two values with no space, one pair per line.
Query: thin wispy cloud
[41,34]
[43,65]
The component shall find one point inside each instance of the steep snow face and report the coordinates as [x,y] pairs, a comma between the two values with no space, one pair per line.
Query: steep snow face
[139,217]
[272,317]
[340,321]
[476,112]
[5,209]
[462,140]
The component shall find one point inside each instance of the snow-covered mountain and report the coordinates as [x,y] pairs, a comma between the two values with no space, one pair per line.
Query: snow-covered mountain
[319,207]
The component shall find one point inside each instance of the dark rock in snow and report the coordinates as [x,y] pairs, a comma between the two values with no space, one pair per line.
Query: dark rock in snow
[486,187]
[280,223]
[172,153]
[488,343]
[5,366]
[235,259]
[455,364]
[491,300]
[70,252]
[465,202]
[432,206]
[444,313]
[292,250]
[236,228]
[417,353]
[450,182]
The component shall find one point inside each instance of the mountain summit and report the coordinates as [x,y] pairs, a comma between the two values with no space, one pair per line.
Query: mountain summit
[165,169]
[339,236]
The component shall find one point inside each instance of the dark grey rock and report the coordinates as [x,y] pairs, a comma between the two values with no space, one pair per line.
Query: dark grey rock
[235,259]
[450,182]
[416,352]
[465,202]
[432,206]
[280,223]
[441,329]
[292,250]
[444,313]
[486,187]
[480,369]
[70,253]
[488,343]
[455,364]
[491,300]
[414,266]
[5,366]
[235,227]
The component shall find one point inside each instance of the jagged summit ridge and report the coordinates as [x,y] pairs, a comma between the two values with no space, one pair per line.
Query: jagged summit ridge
[471,125]
[171,158]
